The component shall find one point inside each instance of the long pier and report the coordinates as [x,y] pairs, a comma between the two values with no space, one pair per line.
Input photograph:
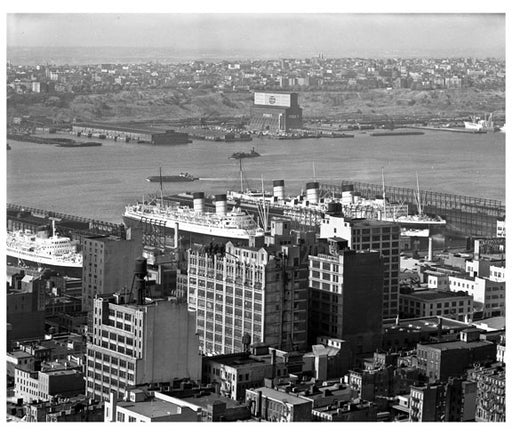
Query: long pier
[83,225]
[465,214]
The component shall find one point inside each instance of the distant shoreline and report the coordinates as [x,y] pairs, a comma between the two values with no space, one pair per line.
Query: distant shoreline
[111,54]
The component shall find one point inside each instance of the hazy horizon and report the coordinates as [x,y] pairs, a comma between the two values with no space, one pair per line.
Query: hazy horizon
[264,35]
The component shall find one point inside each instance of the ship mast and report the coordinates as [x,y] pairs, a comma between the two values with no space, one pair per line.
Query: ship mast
[263,208]
[53,226]
[161,189]
[241,177]
[383,192]
[420,212]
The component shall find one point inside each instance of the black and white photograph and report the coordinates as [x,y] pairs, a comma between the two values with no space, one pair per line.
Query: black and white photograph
[226,214]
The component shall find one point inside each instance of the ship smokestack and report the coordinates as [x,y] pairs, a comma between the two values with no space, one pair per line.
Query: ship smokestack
[198,202]
[347,193]
[357,197]
[278,190]
[221,204]
[312,192]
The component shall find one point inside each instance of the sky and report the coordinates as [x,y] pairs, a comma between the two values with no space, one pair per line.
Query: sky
[334,34]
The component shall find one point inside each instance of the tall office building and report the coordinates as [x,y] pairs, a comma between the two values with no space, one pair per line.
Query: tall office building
[346,296]
[362,235]
[261,292]
[138,343]
[107,266]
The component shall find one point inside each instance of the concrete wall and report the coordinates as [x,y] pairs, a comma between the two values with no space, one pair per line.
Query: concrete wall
[172,348]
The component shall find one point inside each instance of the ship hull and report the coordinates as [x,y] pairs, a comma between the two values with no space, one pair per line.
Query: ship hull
[24,261]
[189,236]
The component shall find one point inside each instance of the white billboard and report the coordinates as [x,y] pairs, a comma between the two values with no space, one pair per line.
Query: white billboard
[266,99]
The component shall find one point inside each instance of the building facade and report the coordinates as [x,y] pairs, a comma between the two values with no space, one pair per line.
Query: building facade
[343,284]
[488,293]
[424,303]
[45,385]
[490,400]
[439,361]
[277,111]
[426,403]
[363,235]
[235,373]
[248,290]
[108,263]
[26,301]
[128,134]
[460,400]
[273,405]
[140,344]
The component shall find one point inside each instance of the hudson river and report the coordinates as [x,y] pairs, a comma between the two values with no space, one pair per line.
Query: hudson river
[98,182]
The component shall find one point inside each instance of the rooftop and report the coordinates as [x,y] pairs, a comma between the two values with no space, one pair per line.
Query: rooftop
[452,345]
[209,399]
[432,294]
[361,223]
[19,354]
[427,324]
[491,324]
[151,407]
[282,397]
[240,359]
[119,127]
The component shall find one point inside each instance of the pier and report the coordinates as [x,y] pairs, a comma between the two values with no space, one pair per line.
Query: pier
[69,224]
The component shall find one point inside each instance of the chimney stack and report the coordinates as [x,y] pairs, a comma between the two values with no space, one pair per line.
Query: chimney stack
[198,202]
[278,190]
[312,192]
[221,204]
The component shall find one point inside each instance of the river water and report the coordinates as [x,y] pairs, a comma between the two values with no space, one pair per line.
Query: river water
[98,182]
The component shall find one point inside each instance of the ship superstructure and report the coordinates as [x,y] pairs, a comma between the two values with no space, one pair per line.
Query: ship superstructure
[196,222]
[41,250]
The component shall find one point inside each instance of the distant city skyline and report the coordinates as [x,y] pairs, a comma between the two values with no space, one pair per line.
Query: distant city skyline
[268,35]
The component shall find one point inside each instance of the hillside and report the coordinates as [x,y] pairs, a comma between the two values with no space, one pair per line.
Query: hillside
[171,104]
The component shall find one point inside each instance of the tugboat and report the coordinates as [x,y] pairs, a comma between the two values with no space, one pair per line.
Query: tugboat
[242,155]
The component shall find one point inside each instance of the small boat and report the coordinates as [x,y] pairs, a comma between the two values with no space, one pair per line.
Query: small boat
[180,178]
[242,155]
[8,147]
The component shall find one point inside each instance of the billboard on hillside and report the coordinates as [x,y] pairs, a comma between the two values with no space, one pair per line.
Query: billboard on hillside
[269,99]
